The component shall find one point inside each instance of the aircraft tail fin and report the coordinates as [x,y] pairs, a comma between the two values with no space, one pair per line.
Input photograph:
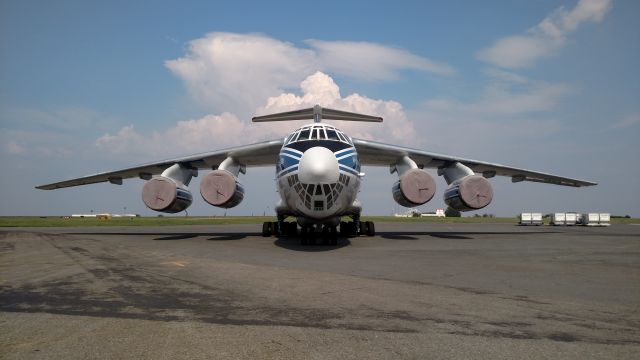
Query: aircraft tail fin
[317,113]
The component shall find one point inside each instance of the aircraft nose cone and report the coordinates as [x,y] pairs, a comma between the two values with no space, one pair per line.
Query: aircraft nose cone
[318,165]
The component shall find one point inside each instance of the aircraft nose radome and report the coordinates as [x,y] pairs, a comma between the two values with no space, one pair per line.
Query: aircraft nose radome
[318,165]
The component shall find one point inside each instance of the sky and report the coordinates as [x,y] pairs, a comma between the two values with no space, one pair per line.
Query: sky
[91,86]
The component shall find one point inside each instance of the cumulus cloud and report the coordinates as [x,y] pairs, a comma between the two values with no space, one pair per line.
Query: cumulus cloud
[544,39]
[189,136]
[372,61]
[236,72]
[320,88]
[218,131]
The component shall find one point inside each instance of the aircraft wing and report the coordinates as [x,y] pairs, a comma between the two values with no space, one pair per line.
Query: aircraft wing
[259,154]
[380,154]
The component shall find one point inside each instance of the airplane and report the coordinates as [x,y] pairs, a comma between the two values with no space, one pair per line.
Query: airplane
[318,176]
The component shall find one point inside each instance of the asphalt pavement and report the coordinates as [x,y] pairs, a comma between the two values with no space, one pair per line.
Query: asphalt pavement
[441,291]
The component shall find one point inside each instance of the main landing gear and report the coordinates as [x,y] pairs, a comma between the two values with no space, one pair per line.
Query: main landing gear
[328,235]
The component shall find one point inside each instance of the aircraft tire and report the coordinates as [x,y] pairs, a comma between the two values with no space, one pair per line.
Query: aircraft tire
[267,229]
[371,228]
[306,236]
[275,228]
[292,229]
[333,236]
[344,229]
[364,228]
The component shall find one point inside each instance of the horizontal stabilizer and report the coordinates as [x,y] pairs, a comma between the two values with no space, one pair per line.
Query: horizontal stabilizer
[317,113]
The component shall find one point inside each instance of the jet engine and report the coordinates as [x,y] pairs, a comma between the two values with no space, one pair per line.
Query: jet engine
[166,195]
[471,192]
[221,188]
[415,187]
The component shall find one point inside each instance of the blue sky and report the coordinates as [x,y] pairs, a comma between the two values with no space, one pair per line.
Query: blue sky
[87,86]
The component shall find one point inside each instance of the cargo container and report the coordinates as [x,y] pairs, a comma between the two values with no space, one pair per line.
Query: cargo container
[536,218]
[605,219]
[525,219]
[558,219]
[591,219]
[570,219]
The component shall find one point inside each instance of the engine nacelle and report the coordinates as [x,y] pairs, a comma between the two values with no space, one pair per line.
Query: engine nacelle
[414,188]
[166,195]
[220,188]
[472,192]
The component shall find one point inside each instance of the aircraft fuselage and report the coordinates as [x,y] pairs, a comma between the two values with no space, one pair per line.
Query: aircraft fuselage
[318,175]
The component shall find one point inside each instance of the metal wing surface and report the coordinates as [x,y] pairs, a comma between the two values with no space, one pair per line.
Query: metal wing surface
[380,154]
[259,154]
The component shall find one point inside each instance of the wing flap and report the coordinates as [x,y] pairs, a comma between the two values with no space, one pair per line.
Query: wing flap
[259,154]
[379,154]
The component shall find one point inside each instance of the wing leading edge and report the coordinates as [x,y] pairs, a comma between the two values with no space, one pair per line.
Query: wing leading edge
[380,154]
[259,154]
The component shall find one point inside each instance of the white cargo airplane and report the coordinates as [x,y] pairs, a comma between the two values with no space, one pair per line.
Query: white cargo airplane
[318,177]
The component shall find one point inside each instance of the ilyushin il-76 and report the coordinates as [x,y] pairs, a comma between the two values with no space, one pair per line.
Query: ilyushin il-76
[318,175]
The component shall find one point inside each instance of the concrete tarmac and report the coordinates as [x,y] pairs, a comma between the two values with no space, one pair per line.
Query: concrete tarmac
[441,291]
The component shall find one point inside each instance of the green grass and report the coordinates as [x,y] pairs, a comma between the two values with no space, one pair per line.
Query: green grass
[56,221]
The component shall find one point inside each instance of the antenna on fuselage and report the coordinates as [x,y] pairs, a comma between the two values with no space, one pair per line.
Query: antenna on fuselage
[317,113]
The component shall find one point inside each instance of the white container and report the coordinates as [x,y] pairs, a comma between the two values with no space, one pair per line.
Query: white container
[591,219]
[536,218]
[570,219]
[605,219]
[525,219]
[558,218]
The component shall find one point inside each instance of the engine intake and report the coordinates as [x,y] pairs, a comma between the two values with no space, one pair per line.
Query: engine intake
[472,192]
[165,195]
[220,188]
[415,187]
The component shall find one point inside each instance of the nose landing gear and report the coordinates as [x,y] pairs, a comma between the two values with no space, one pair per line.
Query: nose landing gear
[328,234]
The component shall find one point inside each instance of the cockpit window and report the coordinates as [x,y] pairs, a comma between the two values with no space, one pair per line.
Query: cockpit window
[318,132]
[332,135]
[304,135]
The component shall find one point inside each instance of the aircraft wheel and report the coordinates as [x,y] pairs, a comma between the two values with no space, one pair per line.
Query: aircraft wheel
[275,228]
[344,229]
[326,235]
[364,227]
[267,229]
[306,236]
[371,228]
[292,229]
[333,236]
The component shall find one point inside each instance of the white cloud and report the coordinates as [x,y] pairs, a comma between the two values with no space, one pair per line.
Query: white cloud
[38,143]
[320,88]
[14,148]
[189,136]
[507,94]
[628,121]
[218,131]
[372,61]
[236,72]
[61,119]
[511,113]
[544,39]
